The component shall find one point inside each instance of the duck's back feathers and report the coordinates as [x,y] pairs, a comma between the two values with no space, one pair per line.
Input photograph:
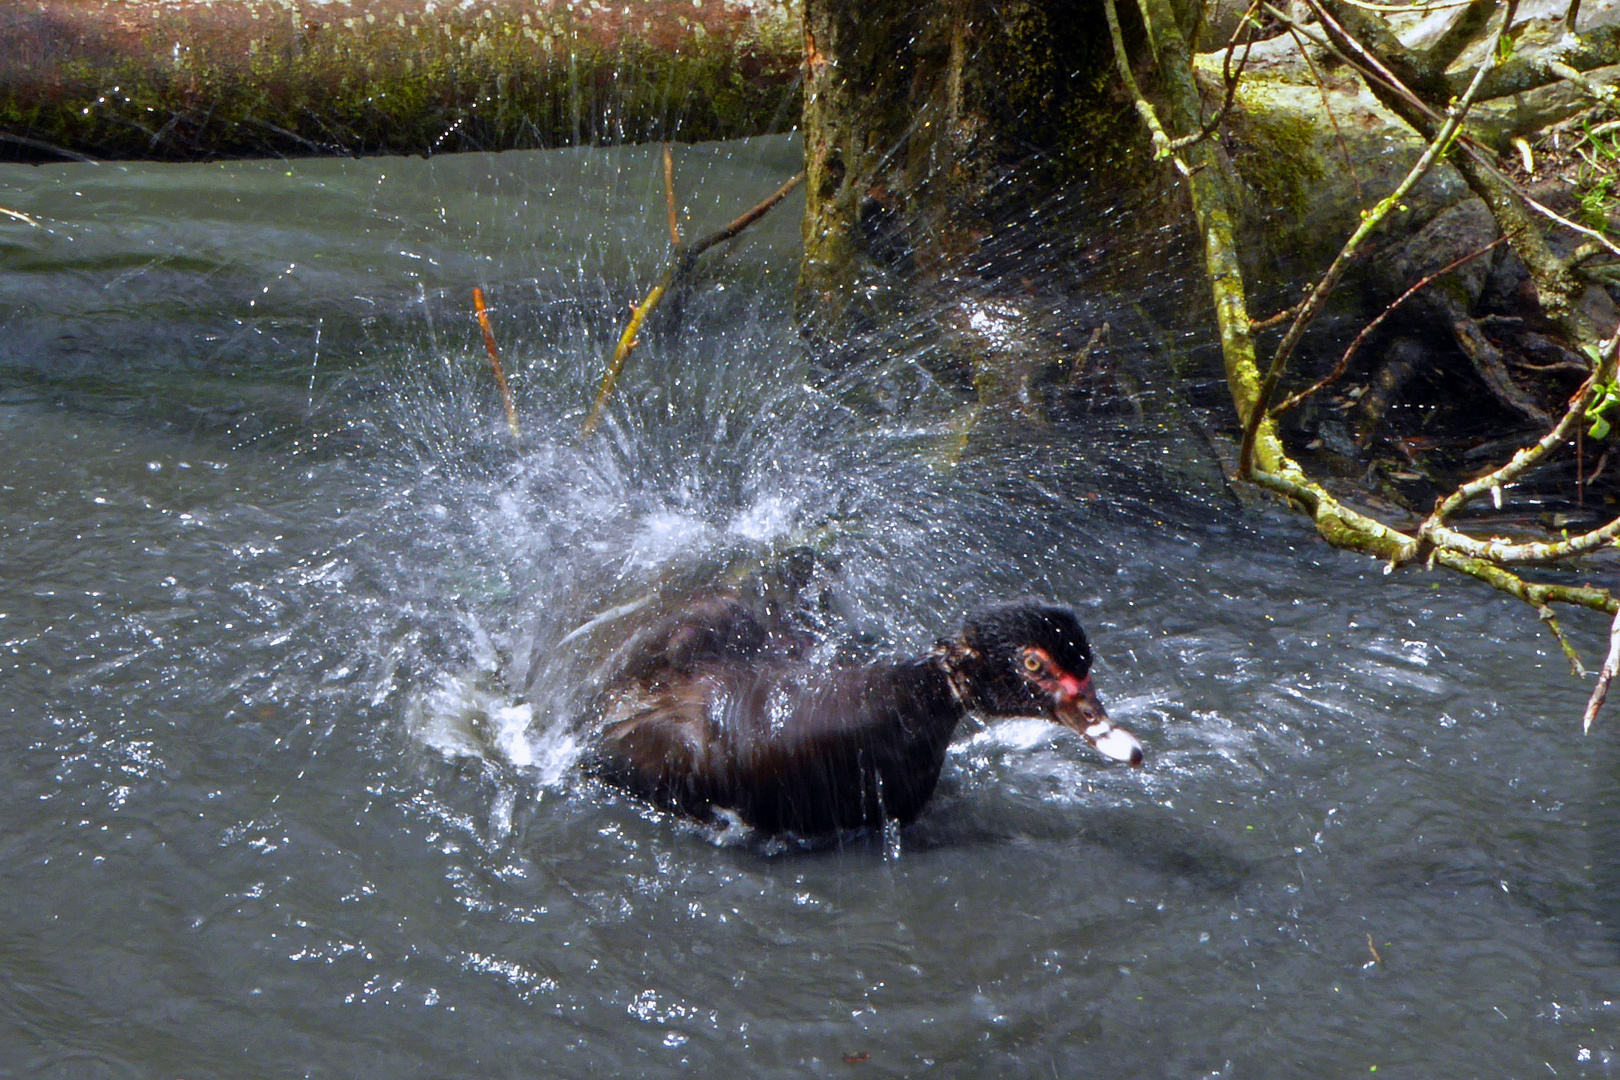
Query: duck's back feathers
[786,748]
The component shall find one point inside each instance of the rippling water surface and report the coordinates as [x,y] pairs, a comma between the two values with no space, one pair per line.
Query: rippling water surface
[285,761]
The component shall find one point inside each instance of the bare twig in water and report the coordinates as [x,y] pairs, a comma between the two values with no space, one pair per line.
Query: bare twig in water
[19,216]
[1344,360]
[1083,357]
[682,260]
[495,361]
[1370,948]
[669,197]
[1611,664]
[743,220]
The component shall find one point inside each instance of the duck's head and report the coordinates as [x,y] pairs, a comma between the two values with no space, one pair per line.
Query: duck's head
[1031,658]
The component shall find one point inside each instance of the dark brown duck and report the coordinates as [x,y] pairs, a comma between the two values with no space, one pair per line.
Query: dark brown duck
[711,713]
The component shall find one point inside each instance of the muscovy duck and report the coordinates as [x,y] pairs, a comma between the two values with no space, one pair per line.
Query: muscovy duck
[711,712]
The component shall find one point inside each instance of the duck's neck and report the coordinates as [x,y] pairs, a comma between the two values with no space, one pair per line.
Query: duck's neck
[953,661]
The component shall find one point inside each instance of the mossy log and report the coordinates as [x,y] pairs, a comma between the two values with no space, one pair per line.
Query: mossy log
[194,80]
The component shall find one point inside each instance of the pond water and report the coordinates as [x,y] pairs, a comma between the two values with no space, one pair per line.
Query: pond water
[285,761]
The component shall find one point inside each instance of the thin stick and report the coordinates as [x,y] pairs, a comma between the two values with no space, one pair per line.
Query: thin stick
[744,220]
[1611,664]
[680,264]
[1327,107]
[1375,217]
[1344,361]
[669,197]
[1548,212]
[1545,612]
[1084,355]
[1276,320]
[495,361]
[627,341]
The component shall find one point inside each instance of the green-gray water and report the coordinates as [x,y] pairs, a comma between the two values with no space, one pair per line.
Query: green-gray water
[277,604]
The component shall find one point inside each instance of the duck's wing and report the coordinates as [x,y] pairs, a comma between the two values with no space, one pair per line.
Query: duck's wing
[661,746]
[714,629]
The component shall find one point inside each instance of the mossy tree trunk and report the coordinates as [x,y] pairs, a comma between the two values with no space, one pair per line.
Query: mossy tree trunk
[913,112]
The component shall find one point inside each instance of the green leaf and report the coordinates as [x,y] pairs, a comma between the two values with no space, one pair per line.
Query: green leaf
[1599,428]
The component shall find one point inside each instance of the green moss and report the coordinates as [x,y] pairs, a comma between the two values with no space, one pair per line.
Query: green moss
[1279,161]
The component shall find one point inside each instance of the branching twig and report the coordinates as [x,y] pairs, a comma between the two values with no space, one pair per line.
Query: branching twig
[1344,361]
[1231,78]
[1215,211]
[495,362]
[682,260]
[1144,108]
[1527,458]
[1540,551]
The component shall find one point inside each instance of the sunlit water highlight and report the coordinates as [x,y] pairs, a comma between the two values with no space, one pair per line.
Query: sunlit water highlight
[290,686]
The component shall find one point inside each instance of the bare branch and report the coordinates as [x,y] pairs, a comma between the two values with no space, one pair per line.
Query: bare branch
[1344,360]
[681,262]
[1611,664]
[1553,215]
[1598,47]
[1530,456]
[1500,551]
[495,362]
[742,221]
[669,197]
[1574,658]
[1231,79]
[1597,91]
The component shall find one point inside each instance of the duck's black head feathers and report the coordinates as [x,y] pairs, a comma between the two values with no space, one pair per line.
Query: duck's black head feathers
[990,649]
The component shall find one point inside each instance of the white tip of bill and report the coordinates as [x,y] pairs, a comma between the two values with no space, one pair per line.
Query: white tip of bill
[1114,743]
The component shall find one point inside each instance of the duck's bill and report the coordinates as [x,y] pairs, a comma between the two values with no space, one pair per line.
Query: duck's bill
[1113,742]
[1078,708]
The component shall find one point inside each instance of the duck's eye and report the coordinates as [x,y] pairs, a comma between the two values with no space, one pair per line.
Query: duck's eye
[1032,663]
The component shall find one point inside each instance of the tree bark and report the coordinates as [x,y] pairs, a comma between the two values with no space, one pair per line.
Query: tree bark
[913,112]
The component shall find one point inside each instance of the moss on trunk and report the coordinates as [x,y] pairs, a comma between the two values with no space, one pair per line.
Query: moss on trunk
[913,113]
